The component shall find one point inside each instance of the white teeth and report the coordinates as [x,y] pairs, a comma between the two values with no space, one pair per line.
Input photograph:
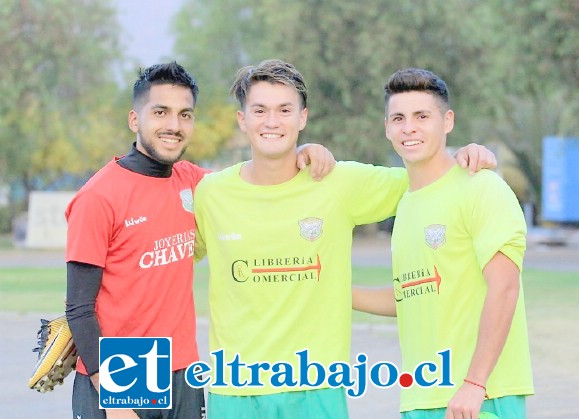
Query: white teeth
[169,140]
[271,136]
[410,143]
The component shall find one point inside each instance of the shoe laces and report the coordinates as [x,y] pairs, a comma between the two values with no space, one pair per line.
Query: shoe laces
[42,336]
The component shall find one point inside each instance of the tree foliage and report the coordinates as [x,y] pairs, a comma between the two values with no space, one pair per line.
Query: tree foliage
[512,66]
[210,44]
[57,90]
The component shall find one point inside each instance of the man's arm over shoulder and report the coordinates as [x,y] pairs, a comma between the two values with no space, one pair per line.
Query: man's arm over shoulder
[369,193]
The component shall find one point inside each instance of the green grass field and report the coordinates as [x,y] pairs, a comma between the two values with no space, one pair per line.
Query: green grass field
[548,295]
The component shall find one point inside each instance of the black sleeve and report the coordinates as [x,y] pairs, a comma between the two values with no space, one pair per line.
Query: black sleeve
[83,282]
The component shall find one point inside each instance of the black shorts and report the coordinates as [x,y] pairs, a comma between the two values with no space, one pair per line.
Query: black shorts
[188,402]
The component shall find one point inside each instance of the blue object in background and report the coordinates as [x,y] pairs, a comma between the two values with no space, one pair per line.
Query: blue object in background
[561,179]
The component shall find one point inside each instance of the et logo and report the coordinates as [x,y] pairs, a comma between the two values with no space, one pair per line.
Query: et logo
[135,373]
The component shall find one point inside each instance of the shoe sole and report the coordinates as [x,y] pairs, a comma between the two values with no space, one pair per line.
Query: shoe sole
[61,368]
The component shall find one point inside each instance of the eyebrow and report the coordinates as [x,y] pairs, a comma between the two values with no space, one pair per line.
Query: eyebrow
[165,107]
[281,105]
[413,113]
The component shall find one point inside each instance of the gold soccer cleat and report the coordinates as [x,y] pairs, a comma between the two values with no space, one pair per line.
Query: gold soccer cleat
[57,355]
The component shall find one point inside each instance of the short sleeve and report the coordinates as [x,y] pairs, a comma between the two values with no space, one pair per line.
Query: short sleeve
[497,222]
[90,221]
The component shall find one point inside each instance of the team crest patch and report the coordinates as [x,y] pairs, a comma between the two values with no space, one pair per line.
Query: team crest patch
[187,199]
[435,235]
[311,228]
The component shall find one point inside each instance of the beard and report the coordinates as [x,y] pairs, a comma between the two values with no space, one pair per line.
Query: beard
[156,154]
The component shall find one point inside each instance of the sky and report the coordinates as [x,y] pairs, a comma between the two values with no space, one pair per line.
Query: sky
[146,29]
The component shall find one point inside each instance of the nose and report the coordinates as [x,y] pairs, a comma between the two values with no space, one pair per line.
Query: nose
[272,119]
[172,122]
[408,126]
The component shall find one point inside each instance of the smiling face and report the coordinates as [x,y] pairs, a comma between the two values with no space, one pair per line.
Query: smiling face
[417,124]
[164,123]
[272,119]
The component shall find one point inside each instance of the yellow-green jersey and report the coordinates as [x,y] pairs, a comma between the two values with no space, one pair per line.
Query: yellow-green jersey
[280,265]
[444,235]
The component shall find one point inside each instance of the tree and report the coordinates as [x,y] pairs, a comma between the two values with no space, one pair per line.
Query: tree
[511,65]
[209,43]
[345,52]
[525,56]
[57,91]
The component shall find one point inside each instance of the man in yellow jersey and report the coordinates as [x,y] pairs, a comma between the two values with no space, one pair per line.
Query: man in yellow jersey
[279,249]
[457,252]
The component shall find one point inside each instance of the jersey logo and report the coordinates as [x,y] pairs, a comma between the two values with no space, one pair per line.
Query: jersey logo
[129,222]
[435,235]
[187,199]
[311,228]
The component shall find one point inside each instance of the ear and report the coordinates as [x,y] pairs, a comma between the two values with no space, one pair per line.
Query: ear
[241,120]
[386,128]
[303,118]
[133,121]
[448,121]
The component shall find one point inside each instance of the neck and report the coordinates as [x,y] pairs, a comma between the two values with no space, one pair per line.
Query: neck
[137,162]
[424,173]
[269,172]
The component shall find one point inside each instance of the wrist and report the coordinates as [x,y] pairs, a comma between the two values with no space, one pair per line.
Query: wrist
[474,383]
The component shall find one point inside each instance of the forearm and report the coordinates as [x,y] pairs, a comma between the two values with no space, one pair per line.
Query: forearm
[374,300]
[83,284]
[497,314]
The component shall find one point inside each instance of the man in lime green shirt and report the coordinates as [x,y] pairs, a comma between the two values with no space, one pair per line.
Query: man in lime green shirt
[279,249]
[457,250]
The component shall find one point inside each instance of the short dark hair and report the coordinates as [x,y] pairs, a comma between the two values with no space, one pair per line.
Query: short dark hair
[169,73]
[417,80]
[272,71]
